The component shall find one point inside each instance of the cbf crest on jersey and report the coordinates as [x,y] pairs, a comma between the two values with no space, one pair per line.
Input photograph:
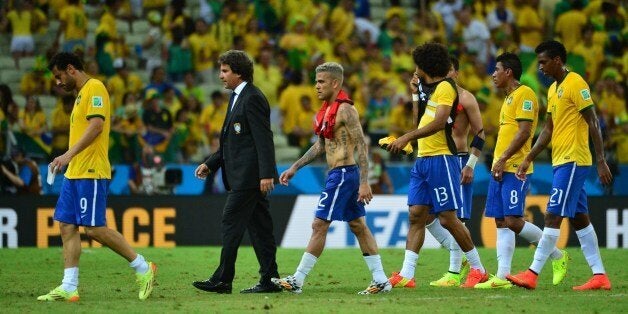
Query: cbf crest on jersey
[78,100]
[586,95]
[559,92]
[237,127]
[97,101]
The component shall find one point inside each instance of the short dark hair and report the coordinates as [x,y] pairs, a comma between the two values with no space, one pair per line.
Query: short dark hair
[552,49]
[239,62]
[454,62]
[433,59]
[510,61]
[62,59]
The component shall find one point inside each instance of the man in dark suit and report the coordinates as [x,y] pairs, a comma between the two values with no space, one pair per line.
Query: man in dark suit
[247,158]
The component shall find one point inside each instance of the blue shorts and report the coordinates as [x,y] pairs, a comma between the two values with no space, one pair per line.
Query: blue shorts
[339,200]
[435,182]
[464,212]
[506,197]
[83,202]
[568,196]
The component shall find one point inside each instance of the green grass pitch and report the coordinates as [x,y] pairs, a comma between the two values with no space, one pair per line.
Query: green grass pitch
[107,284]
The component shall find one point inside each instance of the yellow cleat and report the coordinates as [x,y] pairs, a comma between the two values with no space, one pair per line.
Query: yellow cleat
[146,281]
[559,268]
[494,283]
[448,280]
[58,294]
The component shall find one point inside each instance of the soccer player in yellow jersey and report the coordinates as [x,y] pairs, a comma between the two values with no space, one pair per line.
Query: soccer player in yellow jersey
[506,194]
[83,197]
[571,121]
[468,119]
[435,178]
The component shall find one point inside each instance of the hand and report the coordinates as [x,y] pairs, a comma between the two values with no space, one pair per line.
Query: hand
[266,185]
[286,176]
[498,169]
[414,84]
[58,163]
[364,193]
[202,171]
[522,170]
[604,173]
[397,146]
[466,175]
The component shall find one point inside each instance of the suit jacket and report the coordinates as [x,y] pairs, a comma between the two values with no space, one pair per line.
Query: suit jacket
[247,151]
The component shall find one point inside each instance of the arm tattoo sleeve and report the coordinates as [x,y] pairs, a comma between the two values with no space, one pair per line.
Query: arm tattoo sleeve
[311,154]
[352,122]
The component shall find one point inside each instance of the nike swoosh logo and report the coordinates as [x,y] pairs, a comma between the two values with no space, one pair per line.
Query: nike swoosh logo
[493,285]
[442,204]
[511,207]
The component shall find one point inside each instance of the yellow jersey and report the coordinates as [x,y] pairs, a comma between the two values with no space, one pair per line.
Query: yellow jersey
[75,22]
[570,137]
[520,105]
[93,162]
[444,94]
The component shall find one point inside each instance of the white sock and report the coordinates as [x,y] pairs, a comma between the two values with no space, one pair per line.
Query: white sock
[305,266]
[455,256]
[439,232]
[139,264]
[505,251]
[474,260]
[409,264]
[374,263]
[533,234]
[70,279]
[590,249]
[546,245]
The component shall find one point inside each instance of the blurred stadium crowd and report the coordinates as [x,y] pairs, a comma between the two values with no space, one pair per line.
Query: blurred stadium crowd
[158,60]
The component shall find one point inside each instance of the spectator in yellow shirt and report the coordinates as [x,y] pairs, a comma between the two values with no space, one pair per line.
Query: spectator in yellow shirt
[400,120]
[212,117]
[21,20]
[301,127]
[122,82]
[569,25]
[267,76]
[341,21]
[60,126]
[529,24]
[204,49]
[34,128]
[592,53]
[38,81]
[73,27]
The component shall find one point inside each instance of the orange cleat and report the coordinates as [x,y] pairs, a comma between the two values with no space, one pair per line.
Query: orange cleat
[525,279]
[398,281]
[598,282]
[475,277]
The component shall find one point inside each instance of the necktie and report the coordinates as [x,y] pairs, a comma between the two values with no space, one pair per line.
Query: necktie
[231,100]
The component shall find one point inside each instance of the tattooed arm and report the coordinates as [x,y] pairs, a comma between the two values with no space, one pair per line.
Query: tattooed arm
[349,117]
[311,154]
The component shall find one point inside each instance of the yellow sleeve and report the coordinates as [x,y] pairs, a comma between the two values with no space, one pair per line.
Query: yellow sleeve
[581,94]
[97,102]
[526,105]
[444,94]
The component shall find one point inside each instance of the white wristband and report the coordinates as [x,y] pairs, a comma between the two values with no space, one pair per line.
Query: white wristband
[472,160]
[415,97]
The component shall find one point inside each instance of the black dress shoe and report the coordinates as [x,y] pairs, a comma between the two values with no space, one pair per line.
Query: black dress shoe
[259,288]
[213,286]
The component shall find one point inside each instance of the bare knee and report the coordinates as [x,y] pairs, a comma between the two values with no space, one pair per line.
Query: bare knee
[515,223]
[357,226]
[448,219]
[500,223]
[417,215]
[319,227]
